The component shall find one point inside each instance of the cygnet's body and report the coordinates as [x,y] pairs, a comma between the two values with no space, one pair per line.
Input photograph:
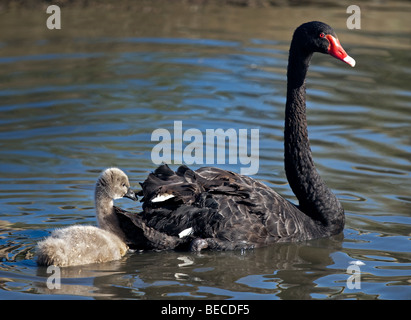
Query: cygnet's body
[78,245]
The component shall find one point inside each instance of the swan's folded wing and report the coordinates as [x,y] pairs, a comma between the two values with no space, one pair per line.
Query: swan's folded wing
[222,205]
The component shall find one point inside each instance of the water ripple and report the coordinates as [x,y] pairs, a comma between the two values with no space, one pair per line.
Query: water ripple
[68,112]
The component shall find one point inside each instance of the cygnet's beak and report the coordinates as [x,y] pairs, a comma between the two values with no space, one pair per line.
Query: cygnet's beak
[131,195]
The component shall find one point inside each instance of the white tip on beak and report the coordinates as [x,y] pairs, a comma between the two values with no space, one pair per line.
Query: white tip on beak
[349,60]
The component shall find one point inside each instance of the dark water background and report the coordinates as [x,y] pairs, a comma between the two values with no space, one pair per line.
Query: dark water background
[77,100]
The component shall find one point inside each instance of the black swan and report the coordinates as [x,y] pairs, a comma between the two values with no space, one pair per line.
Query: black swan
[222,210]
[79,244]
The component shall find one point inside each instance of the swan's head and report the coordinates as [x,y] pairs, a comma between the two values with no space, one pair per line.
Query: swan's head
[317,36]
[114,184]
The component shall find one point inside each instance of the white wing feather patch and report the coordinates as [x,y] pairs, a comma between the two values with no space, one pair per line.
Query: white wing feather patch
[185,233]
[162,197]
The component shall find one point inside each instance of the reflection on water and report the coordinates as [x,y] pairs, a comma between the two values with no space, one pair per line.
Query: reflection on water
[89,96]
[284,271]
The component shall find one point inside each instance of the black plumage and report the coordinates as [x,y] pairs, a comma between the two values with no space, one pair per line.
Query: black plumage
[224,210]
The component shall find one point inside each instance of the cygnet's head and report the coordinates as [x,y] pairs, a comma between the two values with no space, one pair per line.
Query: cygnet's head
[113,184]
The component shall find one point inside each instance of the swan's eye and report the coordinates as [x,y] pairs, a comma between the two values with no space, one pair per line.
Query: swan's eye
[322,35]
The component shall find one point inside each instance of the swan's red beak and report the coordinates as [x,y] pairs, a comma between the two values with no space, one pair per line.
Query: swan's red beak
[336,50]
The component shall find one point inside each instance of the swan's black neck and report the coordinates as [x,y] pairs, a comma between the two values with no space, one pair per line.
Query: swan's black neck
[315,198]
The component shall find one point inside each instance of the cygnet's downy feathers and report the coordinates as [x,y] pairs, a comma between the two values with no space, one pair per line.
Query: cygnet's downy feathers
[78,245]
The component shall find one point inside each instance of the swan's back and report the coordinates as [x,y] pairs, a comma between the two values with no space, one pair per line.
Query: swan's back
[231,210]
[77,245]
